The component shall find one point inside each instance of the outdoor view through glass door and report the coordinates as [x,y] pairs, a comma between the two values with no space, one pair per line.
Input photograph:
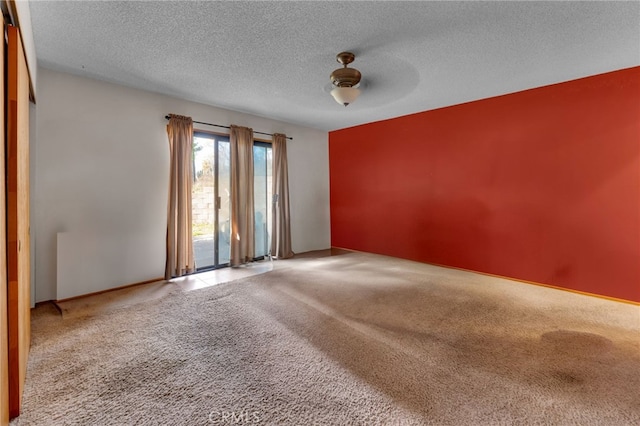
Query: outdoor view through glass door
[211,199]
[262,195]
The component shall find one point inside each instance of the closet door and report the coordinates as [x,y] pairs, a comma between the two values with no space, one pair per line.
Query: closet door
[4,336]
[18,252]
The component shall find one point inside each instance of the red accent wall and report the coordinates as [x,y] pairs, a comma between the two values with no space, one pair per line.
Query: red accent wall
[541,185]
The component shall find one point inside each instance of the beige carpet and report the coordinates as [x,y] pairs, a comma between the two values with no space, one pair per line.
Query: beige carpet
[352,339]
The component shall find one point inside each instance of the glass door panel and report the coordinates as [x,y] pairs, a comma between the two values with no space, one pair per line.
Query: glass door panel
[224,207]
[203,201]
[210,200]
[262,197]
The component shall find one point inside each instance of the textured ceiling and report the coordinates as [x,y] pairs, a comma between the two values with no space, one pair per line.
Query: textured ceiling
[273,59]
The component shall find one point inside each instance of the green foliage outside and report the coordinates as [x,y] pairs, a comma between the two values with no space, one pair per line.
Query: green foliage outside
[199,229]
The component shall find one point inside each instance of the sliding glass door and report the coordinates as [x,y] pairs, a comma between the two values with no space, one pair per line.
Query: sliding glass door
[262,195]
[210,200]
[211,194]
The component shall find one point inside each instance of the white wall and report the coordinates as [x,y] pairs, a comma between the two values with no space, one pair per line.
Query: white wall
[102,162]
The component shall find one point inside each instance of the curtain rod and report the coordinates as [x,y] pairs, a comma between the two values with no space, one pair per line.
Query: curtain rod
[227,127]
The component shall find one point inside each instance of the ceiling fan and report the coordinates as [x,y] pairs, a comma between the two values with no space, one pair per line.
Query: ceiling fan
[345,80]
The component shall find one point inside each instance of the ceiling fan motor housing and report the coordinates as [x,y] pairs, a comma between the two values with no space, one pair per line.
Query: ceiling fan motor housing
[345,77]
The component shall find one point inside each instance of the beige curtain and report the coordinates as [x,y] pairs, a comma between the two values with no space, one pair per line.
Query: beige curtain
[242,222]
[281,229]
[180,259]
